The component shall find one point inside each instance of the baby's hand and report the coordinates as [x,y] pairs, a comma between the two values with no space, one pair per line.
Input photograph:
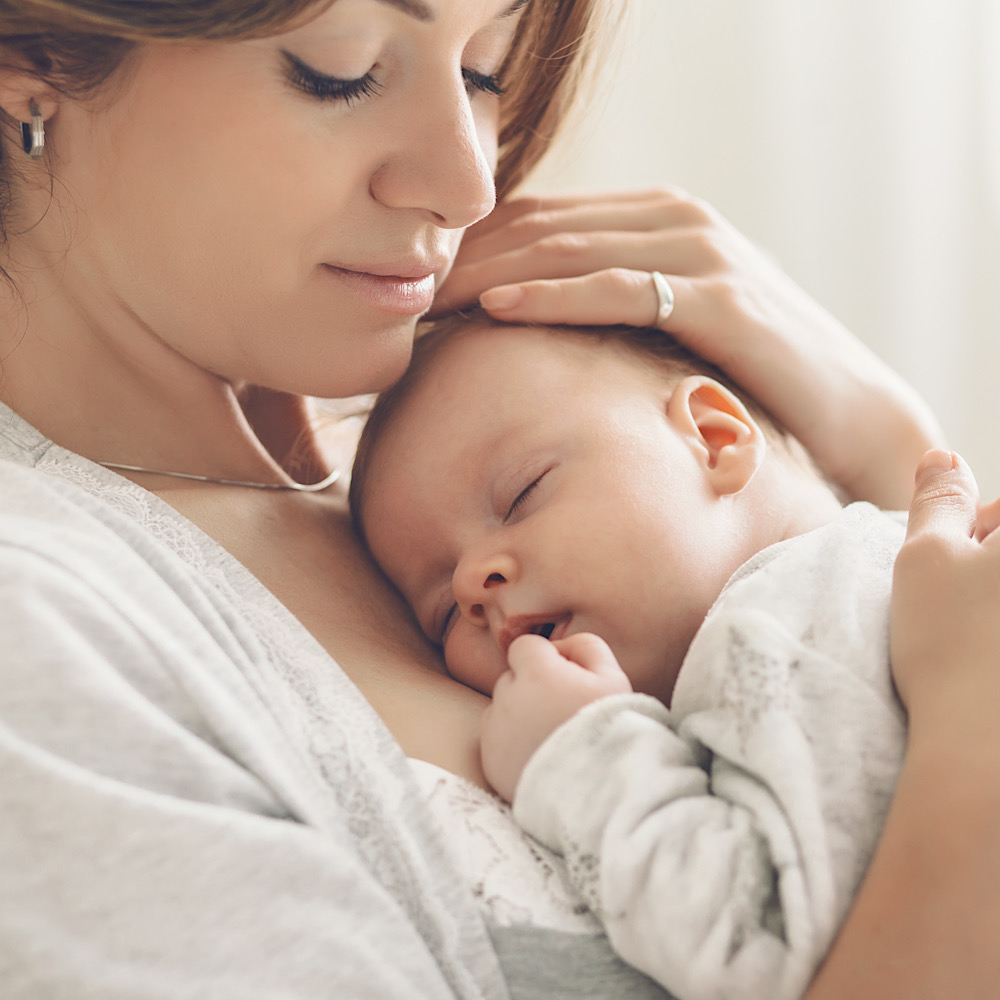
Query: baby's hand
[545,683]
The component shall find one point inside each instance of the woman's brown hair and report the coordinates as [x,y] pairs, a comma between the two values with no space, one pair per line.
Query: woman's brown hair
[76,45]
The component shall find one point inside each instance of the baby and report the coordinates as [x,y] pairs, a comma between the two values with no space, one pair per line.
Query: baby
[578,515]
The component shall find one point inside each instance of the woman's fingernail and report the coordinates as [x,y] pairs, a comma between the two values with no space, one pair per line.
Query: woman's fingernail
[934,463]
[504,297]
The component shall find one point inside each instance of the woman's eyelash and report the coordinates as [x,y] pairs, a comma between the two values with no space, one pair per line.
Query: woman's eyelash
[486,83]
[333,88]
[522,497]
[329,88]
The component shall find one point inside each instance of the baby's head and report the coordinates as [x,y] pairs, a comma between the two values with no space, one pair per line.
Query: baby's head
[563,480]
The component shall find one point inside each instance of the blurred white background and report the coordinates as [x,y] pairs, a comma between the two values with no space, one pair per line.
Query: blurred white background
[856,140]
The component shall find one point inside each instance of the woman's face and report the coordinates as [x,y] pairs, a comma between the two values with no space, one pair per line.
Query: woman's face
[280,210]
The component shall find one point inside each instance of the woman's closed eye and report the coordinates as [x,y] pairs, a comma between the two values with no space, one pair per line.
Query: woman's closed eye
[324,87]
[328,88]
[484,83]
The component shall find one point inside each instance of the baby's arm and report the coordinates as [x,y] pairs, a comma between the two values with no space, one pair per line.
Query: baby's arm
[710,870]
[683,880]
[702,889]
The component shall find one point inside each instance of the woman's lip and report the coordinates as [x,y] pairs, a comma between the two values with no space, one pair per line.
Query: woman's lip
[402,295]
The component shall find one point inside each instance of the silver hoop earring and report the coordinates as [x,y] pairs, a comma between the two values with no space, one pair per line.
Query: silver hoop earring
[33,133]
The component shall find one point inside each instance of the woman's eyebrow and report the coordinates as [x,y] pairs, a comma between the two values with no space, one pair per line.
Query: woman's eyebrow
[422,12]
[415,8]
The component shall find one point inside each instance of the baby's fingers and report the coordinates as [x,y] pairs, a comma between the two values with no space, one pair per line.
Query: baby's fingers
[593,654]
[530,653]
[584,662]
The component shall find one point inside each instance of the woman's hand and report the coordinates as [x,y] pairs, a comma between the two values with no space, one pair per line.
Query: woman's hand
[945,628]
[586,260]
[545,684]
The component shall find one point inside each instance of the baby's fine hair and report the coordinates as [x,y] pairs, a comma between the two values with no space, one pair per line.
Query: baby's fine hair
[667,358]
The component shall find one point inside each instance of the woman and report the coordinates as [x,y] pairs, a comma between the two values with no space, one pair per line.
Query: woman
[211,211]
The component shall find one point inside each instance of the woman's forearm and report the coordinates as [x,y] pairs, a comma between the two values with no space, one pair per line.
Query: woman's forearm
[888,429]
[927,919]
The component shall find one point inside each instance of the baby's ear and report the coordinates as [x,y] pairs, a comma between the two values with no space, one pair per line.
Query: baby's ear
[726,439]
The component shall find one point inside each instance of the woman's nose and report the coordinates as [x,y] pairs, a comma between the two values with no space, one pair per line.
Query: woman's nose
[438,164]
[478,584]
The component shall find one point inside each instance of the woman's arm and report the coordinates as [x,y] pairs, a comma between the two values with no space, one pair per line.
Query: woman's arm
[587,260]
[927,919]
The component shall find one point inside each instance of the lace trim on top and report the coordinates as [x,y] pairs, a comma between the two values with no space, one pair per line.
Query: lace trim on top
[516,879]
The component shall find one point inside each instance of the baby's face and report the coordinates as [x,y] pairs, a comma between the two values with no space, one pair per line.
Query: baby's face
[534,483]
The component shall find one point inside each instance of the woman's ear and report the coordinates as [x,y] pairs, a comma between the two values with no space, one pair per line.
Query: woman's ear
[726,440]
[20,89]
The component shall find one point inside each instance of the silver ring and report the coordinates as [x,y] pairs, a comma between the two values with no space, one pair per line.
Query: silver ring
[664,299]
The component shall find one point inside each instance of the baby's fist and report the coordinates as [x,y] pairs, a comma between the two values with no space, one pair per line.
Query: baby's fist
[546,683]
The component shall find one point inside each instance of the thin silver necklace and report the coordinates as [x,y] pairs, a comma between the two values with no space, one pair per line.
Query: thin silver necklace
[299,487]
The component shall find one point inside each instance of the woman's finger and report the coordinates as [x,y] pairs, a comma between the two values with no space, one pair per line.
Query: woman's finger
[570,255]
[531,204]
[946,590]
[988,521]
[946,499]
[615,295]
[653,214]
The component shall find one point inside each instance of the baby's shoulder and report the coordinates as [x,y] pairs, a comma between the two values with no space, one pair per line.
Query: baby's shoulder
[808,611]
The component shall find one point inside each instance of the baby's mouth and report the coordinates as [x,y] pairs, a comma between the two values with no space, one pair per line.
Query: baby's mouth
[533,625]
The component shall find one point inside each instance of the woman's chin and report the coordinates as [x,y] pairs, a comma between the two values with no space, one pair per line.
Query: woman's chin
[381,368]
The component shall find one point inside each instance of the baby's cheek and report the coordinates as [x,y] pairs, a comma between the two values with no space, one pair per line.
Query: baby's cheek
[474,658]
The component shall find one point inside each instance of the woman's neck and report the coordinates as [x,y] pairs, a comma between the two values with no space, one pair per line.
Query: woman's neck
[117,393]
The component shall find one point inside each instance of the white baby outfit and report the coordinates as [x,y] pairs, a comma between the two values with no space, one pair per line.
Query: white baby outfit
[721,841]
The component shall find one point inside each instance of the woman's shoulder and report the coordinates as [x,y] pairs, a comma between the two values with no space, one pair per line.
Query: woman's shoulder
[93,569]
[53,526]
[82,583]
[54,500]
[80,519]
